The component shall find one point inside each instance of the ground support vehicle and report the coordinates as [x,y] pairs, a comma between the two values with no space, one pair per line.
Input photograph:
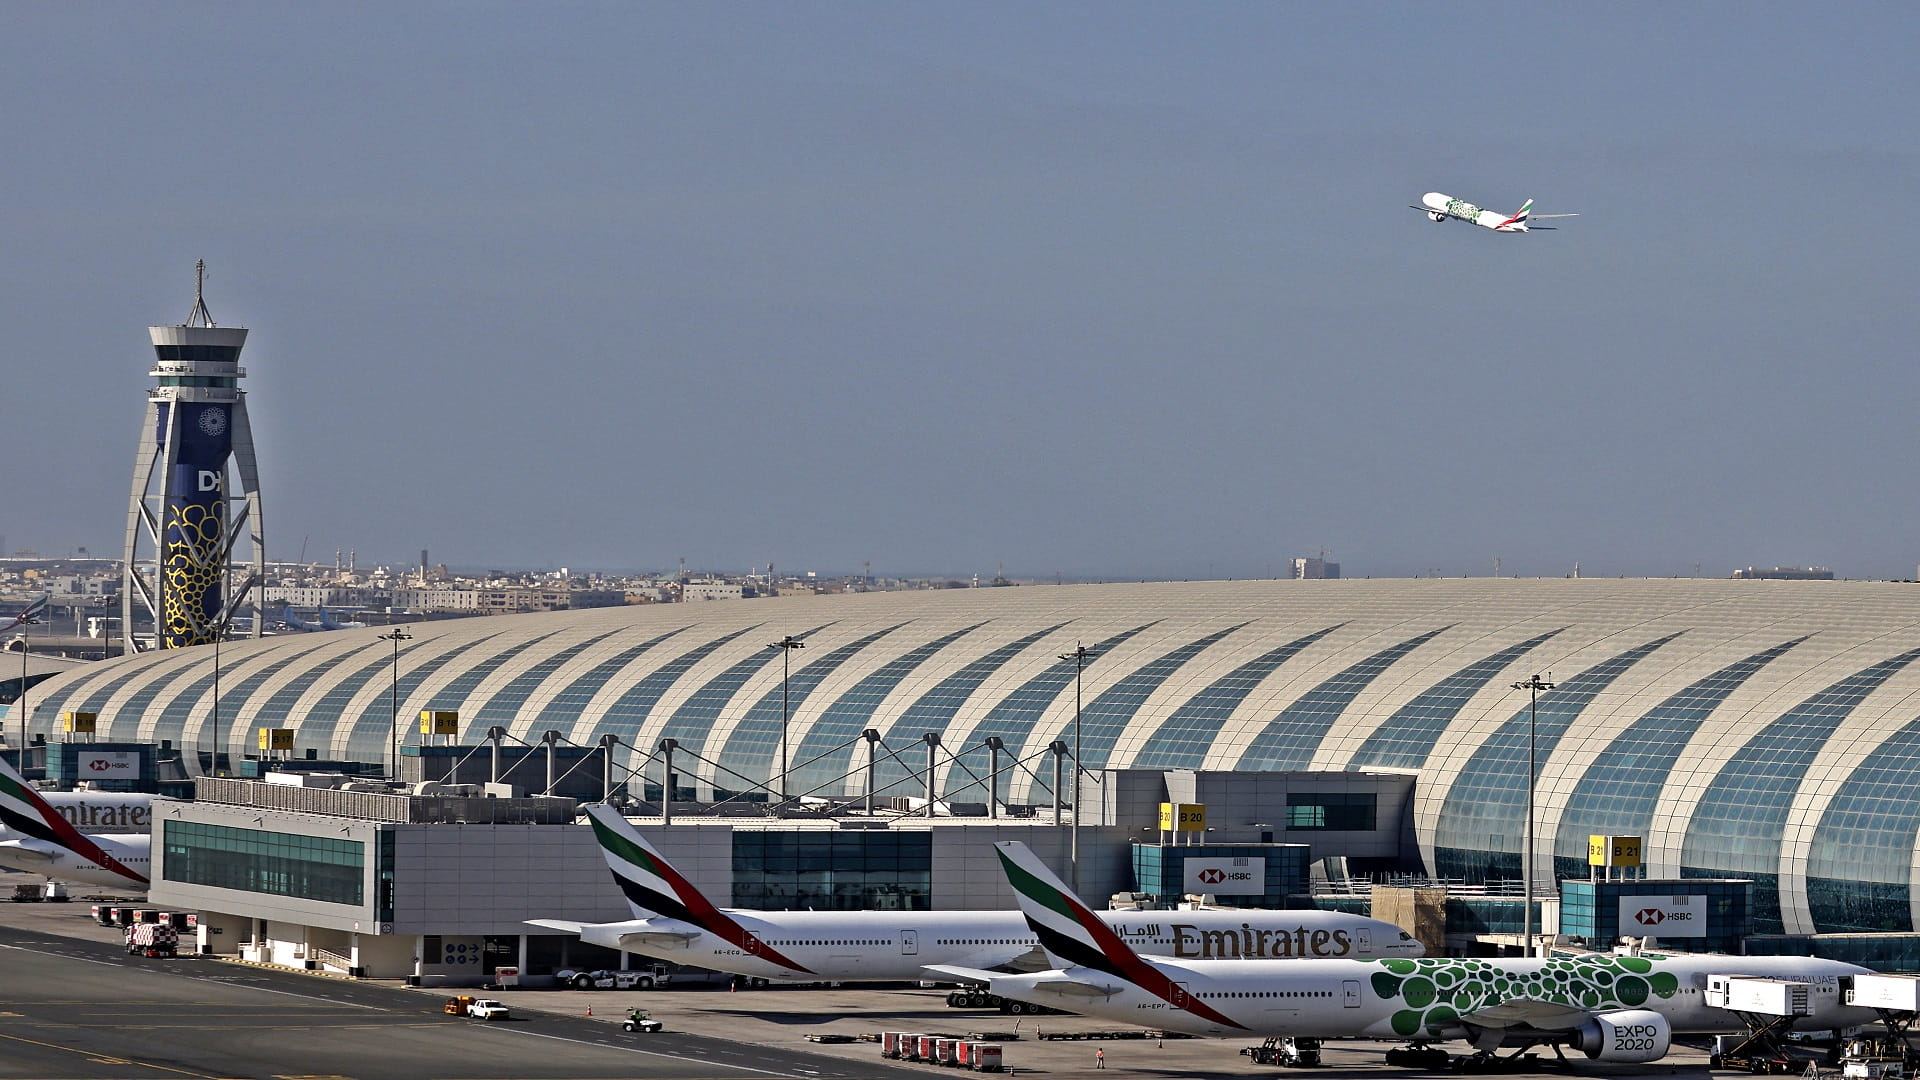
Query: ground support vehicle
[612,980]
[477,1008]
[640,1020]
[487,1009]
[984,1057]
[1291,1052]
[153,939]
[1769,1009]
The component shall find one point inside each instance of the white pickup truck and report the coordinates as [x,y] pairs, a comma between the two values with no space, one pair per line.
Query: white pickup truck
[487,1009]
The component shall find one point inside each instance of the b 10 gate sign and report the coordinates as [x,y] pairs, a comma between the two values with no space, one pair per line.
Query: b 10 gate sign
[1226,876]
[1663,916]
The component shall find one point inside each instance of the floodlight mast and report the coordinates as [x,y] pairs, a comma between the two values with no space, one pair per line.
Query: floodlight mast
[1532,685]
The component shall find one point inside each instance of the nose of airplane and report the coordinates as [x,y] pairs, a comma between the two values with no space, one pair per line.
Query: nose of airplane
[1434,199]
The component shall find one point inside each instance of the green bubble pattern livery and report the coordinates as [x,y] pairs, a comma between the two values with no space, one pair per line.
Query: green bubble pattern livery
[1434,992]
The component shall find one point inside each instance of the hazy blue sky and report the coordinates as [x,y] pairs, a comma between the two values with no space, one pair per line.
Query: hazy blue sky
[1104,289]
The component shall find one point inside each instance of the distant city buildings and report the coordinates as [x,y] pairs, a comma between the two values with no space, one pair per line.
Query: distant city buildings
[1314,569]
[1786,573]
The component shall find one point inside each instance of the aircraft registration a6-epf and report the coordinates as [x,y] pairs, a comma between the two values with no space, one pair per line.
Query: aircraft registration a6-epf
[674,921]
[1441,207]
[1610,1008]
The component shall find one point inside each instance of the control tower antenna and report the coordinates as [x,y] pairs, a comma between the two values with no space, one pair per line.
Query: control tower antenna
[199,315]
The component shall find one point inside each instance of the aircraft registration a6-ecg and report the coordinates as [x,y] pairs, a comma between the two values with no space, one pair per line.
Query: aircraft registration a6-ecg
[1440,207]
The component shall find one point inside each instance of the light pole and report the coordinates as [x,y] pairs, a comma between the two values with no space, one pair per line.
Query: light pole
[1080,655]
[1532,685]
[398,635]
[22,702]
[786,645]
[23,620]
[213,767]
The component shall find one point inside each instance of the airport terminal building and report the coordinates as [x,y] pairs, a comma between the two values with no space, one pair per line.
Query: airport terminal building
[1757,731]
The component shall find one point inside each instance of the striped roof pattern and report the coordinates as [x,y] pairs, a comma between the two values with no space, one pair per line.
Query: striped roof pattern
[1673,698]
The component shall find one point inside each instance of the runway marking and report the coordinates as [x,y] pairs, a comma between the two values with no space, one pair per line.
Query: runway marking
[199,978]
[650,1053]
[65,956]
[107,1061]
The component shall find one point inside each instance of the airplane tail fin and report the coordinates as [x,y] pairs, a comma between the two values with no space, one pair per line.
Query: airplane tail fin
[1072,936]
[23,810]
[1524,211]
[653,887]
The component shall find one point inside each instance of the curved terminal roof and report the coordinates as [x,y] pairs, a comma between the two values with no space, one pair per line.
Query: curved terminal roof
[1760,729]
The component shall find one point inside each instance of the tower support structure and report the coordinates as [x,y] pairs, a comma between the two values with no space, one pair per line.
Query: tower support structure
[185,515]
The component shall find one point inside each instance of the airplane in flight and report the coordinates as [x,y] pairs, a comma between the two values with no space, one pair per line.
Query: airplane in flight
[675,922]
[1608,1007]
[1441,207]
[43,843]
[323,622]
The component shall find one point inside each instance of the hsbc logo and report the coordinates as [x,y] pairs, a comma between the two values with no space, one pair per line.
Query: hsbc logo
[1226,875]
[97,763]
[1213,875]
[1667,916]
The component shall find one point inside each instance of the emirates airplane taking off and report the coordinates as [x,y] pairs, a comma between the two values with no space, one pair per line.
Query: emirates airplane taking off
[675,922]
[1441,207]
[40,841]
[1611,1008]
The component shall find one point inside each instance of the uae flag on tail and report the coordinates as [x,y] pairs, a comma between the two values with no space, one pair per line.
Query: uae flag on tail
[33,612]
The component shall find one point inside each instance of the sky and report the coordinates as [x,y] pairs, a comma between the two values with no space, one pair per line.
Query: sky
[1100,291]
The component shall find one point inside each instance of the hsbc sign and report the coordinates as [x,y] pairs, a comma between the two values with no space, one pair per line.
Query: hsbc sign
[1226,876]
[107,765]
[1663,916]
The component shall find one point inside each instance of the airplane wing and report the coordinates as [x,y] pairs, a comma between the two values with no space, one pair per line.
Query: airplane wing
[961,974]
[1528,1013]
[1072,982]
[30,851]
[555,924]
[660,939]
[1532,217]
[1077,982]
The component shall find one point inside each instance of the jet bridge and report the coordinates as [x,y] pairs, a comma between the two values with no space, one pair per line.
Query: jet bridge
[1768,1008]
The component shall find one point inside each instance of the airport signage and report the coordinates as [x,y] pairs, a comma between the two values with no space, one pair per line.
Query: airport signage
[107,765]
[1183,817]
[1663,916]
[1226,875]
[1613,850]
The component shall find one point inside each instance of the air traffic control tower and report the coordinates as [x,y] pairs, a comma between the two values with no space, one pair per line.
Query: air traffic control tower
[184,516]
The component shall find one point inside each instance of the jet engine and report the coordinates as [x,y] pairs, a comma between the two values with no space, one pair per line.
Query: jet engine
[1436,215]
[1630,1035]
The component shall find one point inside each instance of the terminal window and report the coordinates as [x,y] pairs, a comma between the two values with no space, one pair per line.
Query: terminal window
[1332,811]
[839,871]
[254,860]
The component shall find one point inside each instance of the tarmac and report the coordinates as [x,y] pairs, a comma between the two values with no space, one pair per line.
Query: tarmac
[709,1031]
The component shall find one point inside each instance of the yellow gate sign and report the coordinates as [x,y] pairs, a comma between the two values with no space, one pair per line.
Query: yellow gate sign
[276,738]
[1613,850]
[1183,817]
[439,722]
